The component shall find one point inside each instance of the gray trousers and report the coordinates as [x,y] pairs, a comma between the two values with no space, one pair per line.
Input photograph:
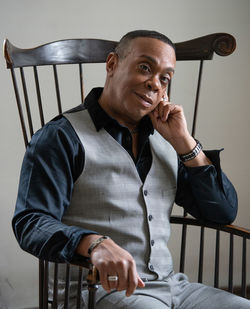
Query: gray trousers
[175,293]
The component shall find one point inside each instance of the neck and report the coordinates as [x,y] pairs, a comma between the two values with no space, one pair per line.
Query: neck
[109,107]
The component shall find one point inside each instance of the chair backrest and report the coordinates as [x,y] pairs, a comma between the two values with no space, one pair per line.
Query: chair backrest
[84,51]
[32,100]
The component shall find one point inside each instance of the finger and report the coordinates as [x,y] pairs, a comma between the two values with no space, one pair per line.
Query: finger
[104,280]
[113,283]
[132,280]
[164,110]
[160,109]
[123,278]
[141,284]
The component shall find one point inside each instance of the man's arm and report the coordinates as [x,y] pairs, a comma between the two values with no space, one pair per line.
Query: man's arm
[206,193]
[46,182]
[53,161]
[203,189]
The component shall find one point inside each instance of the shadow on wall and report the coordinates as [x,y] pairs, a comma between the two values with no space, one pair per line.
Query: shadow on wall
[6,293]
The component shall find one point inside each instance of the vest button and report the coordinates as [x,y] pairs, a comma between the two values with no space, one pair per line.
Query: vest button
[145,192]
[152,242]
[150,217]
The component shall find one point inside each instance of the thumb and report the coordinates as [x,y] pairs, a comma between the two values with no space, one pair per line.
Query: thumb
[140,284]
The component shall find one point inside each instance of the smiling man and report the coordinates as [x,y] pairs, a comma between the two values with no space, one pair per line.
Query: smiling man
[101,181]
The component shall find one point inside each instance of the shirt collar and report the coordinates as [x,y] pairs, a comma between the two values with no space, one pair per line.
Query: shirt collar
[102,120]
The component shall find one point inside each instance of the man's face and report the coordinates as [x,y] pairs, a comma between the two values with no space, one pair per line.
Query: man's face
[139,80]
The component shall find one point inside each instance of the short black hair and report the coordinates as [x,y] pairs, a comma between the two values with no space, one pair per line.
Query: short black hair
[125,40]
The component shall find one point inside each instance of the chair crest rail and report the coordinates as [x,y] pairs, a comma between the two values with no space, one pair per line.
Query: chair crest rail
[96,51]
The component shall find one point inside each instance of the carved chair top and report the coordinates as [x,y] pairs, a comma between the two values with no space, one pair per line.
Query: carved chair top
[72,51]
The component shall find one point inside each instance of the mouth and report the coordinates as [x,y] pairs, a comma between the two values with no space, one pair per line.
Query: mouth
[147,101]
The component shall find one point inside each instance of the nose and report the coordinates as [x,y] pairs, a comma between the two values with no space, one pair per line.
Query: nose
[153,83]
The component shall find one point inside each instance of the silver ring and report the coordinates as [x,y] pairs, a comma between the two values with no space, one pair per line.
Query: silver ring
[112,278]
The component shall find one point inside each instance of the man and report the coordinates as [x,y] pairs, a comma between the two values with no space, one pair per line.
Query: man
[111,170]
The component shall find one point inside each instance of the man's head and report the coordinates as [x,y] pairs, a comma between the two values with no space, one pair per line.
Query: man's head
[138,73]
[122,49]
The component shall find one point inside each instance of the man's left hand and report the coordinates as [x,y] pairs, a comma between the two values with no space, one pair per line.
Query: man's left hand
[169,120]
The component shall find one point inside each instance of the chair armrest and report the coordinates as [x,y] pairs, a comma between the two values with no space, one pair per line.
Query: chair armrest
[229,228]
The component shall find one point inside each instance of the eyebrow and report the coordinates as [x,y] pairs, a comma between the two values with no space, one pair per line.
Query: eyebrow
[152,59]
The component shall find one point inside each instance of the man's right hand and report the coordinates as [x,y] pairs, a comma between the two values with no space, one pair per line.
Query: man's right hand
[111,260]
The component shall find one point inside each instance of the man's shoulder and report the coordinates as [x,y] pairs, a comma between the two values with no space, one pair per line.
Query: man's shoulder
[60,122]
[55,130]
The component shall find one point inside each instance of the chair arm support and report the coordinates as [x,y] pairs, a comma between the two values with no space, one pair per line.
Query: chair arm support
[93,275]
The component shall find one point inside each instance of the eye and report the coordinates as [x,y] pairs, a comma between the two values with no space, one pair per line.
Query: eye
[165,79]
[144,67]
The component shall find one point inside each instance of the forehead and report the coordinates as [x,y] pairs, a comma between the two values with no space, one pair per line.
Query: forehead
[159,51]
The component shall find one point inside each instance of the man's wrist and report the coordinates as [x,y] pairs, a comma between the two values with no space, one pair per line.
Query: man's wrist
[191,154]
[183,145]
[85,243]
[96,243]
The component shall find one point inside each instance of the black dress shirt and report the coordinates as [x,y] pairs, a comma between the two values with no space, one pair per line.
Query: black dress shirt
[54,160]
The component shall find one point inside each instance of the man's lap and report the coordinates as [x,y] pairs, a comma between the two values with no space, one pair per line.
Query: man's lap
[176,293]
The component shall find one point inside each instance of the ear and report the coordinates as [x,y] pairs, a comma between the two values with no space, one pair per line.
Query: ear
[111,63]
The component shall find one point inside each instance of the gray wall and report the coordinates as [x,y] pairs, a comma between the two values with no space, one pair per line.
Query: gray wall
[223,116]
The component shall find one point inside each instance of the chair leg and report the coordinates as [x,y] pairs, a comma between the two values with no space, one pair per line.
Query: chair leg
[92,280]
[41,284]
[92,296]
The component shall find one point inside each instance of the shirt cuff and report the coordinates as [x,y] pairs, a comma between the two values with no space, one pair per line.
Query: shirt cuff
[68,253]
[214,156]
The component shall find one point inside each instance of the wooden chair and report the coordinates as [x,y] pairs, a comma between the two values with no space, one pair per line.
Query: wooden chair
[31,62]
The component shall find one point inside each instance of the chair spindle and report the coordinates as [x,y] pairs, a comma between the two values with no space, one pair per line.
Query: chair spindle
[244,263]
[55,287]
[67,287]
[81,82]
[39,99]
[217,260]
[26,99]
[197,99]
[201,255]
[19,107]
[231,262]
[59,105]
[79,289]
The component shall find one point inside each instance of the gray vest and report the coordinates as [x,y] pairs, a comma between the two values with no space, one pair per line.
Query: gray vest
[110,198]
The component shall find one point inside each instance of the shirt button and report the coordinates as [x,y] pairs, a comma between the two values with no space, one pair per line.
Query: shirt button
[152,242]
[150,217]
[145,192]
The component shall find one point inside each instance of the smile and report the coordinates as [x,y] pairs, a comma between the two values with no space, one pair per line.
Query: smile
[146,101]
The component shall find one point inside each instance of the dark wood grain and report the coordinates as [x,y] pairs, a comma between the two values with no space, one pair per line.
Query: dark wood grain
[96,51]
[235,230]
